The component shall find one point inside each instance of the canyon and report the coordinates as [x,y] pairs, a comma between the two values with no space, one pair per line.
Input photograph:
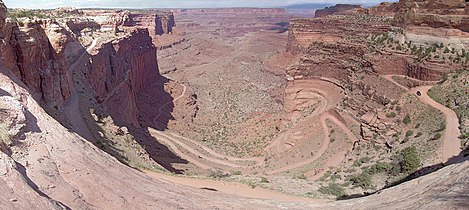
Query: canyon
[240,108]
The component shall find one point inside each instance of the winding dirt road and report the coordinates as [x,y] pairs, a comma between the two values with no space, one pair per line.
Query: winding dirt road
[451,145]
[337,158]
[174,141]
[318,154]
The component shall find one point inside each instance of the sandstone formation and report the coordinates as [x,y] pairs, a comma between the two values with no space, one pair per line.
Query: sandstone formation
[338,8]
[384,9]
[38,57]
[434,13]
[120,70]
[158,23]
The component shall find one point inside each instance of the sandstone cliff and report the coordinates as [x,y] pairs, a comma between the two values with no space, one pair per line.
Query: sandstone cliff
[328,52]
[120,70]
[384,9]
[434,13]
[158,23]
[37,56]
[338,8]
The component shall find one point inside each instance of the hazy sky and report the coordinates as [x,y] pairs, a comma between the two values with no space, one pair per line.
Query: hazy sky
[167,3]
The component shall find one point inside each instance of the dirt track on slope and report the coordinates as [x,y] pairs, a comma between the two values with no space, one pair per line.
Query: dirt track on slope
[451,146]
[72,107]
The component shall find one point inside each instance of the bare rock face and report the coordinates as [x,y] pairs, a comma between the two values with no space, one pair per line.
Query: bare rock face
[434,13]
[158,23]
[120,70]
[79,25]
[384,9]
[338,8]
[116,20]
[165,23]
[3,14]
[39,59]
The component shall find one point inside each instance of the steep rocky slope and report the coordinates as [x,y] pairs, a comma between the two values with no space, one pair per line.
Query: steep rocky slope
[39,61]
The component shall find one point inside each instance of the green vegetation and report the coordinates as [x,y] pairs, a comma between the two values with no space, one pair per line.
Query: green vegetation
[436,136]
[407,119]
[5,138]
[379,167]
[333,189]
[410,159]
[218,173]
[452,93]
[391,115]
[362,180]
[301,176]
[236,173]
[14,15]
[418,135]
[409,133]
[406,162]
[360,161]
[264,180]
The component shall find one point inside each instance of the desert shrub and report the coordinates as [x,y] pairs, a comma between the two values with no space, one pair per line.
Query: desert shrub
[301,176]
[391,115]
[218,173]
[5,138]
[26,14]
[446,50]
[379,167]
[333,189]
[407,119]
[410,159]
[409,133]
[359,162]
[362,180]
[464,136]
[237,173]
[418,135]
[417,126]
[436,136]
[441,128]
[335,177]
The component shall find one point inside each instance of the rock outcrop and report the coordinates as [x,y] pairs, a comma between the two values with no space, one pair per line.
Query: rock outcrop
[434,13]
[37,56]
[120,70]
[3,14]
[158,23]
[338,8]
[384,9]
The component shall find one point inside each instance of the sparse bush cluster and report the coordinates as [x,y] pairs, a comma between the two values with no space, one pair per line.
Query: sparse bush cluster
[406,162]
[5,138]
[14,15]
[333,189]
[410,159]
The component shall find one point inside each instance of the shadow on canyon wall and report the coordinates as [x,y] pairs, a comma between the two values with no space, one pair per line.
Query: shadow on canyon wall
[158,153]
[154,106]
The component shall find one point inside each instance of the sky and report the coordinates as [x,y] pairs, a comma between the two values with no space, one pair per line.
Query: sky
[48,4]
